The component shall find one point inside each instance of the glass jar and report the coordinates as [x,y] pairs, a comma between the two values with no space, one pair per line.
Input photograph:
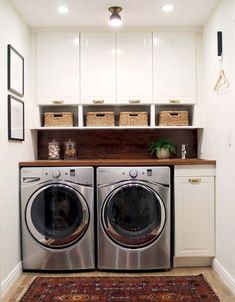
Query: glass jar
[53,150]
[70,150]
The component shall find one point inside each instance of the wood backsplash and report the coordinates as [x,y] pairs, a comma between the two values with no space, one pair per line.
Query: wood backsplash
[118,144]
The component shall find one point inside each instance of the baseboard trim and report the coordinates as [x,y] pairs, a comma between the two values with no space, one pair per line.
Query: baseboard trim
[224,275]
[192,261]
[10,279]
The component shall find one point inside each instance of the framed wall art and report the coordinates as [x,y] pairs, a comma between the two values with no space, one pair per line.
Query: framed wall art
[15,118]
[15,71]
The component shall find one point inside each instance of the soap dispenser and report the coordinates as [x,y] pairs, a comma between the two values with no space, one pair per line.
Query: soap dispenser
[183,151]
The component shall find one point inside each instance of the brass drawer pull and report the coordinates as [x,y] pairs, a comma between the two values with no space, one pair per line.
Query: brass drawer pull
[57,101]
[98,101]
[174,101]
[194,180]
[134,101]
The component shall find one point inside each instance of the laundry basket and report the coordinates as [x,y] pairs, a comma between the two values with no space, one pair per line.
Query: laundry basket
[100,119]
[173,118]
[134,119]
[58,119]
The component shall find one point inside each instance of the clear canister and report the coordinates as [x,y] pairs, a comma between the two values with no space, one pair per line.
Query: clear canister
[53,150]
[70,150]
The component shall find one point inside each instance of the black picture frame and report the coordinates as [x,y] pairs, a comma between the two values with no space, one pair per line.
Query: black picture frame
[15,71]
[15,119]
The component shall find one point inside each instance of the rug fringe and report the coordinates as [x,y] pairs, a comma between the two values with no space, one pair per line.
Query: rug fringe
[210,283]
[26,288]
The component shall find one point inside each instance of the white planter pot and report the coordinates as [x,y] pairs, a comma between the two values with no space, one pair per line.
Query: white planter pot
[163,154]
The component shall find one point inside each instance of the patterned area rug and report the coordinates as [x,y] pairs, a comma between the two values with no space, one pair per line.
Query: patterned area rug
[120,289]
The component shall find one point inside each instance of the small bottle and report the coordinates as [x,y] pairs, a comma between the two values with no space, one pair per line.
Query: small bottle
[70,150]
[53,150]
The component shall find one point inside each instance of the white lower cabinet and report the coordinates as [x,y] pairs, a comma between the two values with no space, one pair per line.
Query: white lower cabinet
[194,215]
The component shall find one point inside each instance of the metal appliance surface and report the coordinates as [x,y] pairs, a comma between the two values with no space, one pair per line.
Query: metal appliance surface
[57,218]
[133,218]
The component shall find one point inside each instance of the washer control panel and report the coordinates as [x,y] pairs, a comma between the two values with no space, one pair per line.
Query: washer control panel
[82,175]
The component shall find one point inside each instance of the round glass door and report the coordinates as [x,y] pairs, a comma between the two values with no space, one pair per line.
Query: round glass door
[57,215]
[133,215]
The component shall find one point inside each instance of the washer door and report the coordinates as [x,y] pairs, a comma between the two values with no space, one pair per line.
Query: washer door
[133,215]
[57,215]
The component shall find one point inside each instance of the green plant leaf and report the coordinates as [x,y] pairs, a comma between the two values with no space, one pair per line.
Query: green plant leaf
[163,143]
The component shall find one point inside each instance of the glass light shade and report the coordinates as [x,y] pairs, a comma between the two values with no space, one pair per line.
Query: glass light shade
[63,9]
[167,8]
[115,20]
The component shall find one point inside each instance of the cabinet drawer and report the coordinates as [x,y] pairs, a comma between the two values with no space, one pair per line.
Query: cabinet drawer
[195,170]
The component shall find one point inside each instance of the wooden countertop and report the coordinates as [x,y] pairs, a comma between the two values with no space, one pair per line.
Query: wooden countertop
[116,162]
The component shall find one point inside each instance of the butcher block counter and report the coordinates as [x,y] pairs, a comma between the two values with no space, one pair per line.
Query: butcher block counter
[116,162]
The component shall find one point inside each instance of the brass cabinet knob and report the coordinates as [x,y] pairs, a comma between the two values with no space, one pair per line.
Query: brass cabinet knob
[134,101]
[174,101]
[194,180]
[57,102]
[98,101]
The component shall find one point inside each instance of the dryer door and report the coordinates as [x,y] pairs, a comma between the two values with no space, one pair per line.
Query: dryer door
[57,215]
[133,215]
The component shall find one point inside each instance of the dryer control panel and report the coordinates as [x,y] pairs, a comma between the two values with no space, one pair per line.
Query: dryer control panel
[116,174]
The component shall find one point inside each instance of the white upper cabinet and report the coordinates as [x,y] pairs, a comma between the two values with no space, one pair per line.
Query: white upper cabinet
[98,68]
[58,68]
[134,67]
[174,67]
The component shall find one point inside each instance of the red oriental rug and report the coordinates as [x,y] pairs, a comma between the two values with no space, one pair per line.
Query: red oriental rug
[120,289]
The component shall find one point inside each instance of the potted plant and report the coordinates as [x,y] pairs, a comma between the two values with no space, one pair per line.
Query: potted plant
[162,148]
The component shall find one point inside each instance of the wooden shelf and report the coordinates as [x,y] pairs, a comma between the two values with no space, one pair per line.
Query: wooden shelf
[116,162]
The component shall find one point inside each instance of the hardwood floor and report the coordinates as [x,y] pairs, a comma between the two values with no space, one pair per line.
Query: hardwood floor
[222,291]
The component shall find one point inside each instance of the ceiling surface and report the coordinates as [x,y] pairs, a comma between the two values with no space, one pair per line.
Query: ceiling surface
[94,13]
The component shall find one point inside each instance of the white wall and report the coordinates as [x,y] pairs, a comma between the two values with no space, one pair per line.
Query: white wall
[220,126]
[16,33]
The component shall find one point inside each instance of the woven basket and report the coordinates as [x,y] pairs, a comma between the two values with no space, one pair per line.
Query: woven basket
[103,119]
[173,118]
[58,119]
[133,119]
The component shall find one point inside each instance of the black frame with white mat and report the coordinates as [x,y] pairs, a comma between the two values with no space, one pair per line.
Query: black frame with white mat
[16,128]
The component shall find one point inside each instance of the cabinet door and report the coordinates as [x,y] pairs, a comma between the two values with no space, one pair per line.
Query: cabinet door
[174,67]
[58,68]
[194,216]
[134,67]
[98,68]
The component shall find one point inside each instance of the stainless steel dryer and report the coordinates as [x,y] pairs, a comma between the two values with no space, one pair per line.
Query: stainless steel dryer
[133,208]
[57,218]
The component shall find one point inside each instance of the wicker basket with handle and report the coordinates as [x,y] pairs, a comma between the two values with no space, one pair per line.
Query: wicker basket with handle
[133,119]
[173,118]
[100,119]
[58,119]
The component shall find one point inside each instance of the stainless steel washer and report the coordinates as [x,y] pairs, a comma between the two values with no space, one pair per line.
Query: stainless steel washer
[57,218]
[133,208]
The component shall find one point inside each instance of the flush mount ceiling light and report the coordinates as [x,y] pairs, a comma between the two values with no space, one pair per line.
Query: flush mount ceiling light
[63,9]
[115,19]
[167,8]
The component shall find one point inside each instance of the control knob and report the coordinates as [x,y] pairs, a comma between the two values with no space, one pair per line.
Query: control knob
[133,173]
[56,173]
